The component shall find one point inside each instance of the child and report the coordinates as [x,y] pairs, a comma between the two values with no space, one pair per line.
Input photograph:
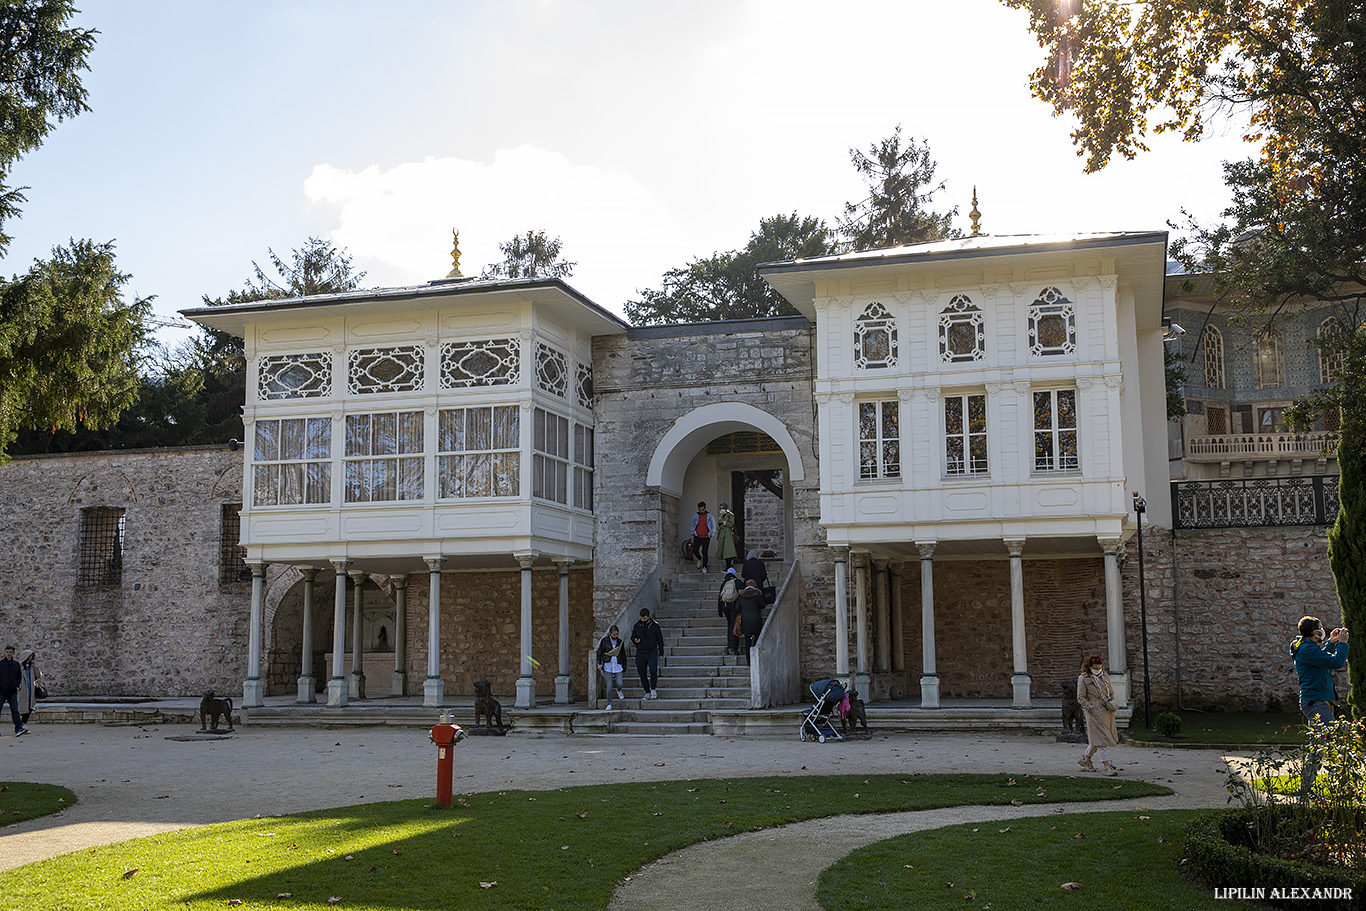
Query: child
[612,662]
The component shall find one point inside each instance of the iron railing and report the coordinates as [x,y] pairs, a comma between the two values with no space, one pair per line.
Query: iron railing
[1250,502]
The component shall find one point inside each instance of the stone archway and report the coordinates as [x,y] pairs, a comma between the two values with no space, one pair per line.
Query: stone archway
[698,427]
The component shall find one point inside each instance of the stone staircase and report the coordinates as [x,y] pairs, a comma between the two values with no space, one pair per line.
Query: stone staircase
[696,676]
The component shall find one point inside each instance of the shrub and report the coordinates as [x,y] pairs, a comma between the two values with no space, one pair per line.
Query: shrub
[1168,724]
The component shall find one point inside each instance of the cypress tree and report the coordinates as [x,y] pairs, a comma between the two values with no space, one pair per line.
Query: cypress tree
[1347,537]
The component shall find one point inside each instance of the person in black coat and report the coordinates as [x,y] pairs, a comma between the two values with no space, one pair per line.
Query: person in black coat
[728,609]
[755,569]
[11,678]
[649,642]
[751,614]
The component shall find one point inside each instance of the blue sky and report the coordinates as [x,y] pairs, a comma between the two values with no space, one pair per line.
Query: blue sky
[642,134]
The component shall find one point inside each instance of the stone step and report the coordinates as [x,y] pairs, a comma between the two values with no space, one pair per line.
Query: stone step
[638,728]
[644,706]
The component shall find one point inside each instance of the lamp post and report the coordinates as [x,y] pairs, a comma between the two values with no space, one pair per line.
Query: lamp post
[1140,507]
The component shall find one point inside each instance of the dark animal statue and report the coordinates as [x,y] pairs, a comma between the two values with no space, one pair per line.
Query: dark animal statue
[849,721]
[213,707]
[1073,718]
[485,706]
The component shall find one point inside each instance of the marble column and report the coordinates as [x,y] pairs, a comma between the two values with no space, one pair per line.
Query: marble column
[883,618]
[1019,680]
[564,683]
[526,683]
[841,615]
[399,687]
[929,675]
[308,687]
[336,684]
[1117,664]
[898,619]
[355,681]
[254,689]
[862,679]
[433,688]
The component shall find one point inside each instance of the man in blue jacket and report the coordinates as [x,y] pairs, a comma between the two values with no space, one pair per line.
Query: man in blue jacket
[1314,663]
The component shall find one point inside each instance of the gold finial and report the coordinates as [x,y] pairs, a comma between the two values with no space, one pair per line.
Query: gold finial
[455,254]
[975,215]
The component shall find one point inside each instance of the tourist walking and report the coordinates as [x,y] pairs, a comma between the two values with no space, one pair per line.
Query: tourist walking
[751,614]
[703,528]
[1097,699]
[648,639]
[612,663]
[755,569]
[726,546]
[11,678]
[728,605]
[28,689]
[1317,654]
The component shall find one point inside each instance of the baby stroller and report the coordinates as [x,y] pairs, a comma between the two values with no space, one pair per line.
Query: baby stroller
[816,720]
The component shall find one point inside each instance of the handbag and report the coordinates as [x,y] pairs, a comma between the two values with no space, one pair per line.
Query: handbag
[737,629]
[39,691]
[770,594]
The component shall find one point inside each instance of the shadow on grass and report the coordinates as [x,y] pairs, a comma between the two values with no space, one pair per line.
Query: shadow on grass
[564,849]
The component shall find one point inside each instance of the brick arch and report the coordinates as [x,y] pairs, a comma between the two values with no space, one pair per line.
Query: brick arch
[694,429]
[119,475]
[228,483]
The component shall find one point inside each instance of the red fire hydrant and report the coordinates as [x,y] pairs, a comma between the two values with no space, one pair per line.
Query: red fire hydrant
[445,735]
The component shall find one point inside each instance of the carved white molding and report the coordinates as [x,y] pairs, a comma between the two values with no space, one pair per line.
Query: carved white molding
[930,296]
[1014,546]
[1084,383]
[1020,289]
[1021,386]
[990,291]
[926,549]
[932,394]
[846,398]
[823,398]
[994,388]
[1108,282]
[1114,383]
[1083,283]
[909,395]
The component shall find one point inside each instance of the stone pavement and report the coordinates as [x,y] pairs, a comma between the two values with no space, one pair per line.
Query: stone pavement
[134,781]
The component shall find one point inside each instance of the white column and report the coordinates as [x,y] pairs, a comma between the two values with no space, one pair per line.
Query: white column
[336,684]
[929,675]
[564,684]
[399,687]
[1019,680]
[526,683]
[308,687]
[433,688]
[1114,620]
[356,681]
[862,679]
[841,616]
[882,617]
[253,689]
[898,619]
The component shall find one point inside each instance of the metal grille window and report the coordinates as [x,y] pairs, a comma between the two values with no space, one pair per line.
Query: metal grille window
[1052,324]
[371,370]
[489,362]
[102,530]
[552,370]
[1268,364]
[875,338]
[292,462]
[584,385]
[384,457]
[879,432]
[583,467]
[550,456]
[1055,430]
[479,452]
[1212,341]
[294,376]
[962,331]
[232,557]
[1332,341]
[965,434]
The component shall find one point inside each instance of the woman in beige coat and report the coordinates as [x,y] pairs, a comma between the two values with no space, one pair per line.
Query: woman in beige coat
[1097,699]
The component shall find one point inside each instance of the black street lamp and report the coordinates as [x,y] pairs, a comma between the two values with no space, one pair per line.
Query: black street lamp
[1140,507]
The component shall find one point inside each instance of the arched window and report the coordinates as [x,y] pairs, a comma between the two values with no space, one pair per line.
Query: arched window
[962,335]
[875,338]
[1052,324]
[1331,343]
[1268,363]
[1212,341]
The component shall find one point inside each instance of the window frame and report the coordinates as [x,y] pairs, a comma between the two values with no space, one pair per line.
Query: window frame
[1212,344]
[309,469]
[363,471]
[875,318]
[547,464]
[1267,346]
[1055,433]
[962,310]
[104,536]
[1051,303]
[882,467]
[967,465]
[503,462]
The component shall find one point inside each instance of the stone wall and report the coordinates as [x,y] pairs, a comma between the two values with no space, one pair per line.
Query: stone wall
[168,627]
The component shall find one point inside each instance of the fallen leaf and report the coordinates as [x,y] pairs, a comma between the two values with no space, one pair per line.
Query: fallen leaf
[1071,886]
[333,899]
[129,874]
[265,834]
[234,901]
[1017,802]
[1080,835]
[657,813]
[350,857]
[1004,831]
[488,885]
[1145,817]
[564,847]
[396,850]
[284,895]
[583,815]
[372,868]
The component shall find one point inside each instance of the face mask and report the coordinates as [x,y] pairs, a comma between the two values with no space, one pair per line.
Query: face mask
[1097,670]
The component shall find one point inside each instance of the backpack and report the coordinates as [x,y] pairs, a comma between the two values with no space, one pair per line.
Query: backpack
[730,591]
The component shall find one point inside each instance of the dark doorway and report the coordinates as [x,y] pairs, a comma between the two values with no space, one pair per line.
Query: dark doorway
[757,500]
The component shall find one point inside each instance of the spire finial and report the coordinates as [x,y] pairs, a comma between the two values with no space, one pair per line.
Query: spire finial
[455,254]
[975,215]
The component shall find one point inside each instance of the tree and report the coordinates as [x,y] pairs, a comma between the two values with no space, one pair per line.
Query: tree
[40,64]
[315,268]
[1347,537]
[894,213]
[726,285]
[530,255]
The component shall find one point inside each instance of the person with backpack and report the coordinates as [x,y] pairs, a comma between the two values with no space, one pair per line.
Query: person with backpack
[702,528]
[727,605]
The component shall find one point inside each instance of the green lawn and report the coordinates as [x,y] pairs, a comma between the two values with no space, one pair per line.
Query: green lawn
[1127,859]
[21,800]
[1220,728]
[523,850]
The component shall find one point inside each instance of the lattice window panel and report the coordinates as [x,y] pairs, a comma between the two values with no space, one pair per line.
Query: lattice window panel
[102,536]
[490,362]
[584,385]
[875,338]
[232,557]
[293,376]
[1213,344]
[1052,324]
[552,370]
[372,370]
[1332,339]
[962,331]
[1268,362]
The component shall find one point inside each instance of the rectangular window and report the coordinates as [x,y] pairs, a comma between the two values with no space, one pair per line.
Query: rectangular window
[292,462]
[232,557]
[384,457]
[583,467]
[479,452]
[102,531]
[1216,420]
[550,456]
[879,439]
[965,434]
[1055,430]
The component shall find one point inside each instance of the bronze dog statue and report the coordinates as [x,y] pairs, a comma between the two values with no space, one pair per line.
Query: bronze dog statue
[213,707]
[1073,718]
[850,720]
[485,706]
